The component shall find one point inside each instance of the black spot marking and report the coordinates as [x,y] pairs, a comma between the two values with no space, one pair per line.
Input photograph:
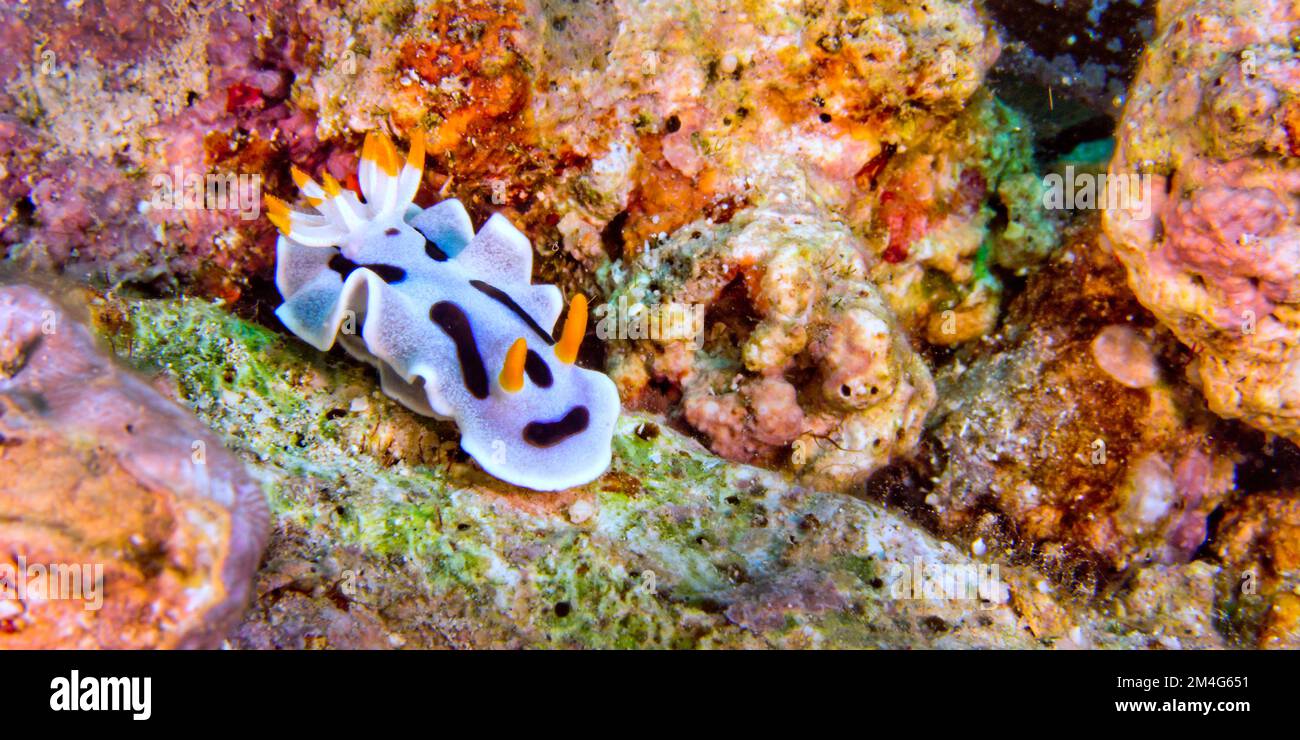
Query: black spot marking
[537,370]
[451,319]
[342,265]
[388,273]
[550,433]
[500,296]
[394,231]
[434,251]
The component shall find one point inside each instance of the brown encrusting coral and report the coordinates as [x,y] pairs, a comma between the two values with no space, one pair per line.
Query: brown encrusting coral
[126,523]
[1258,540]
[1073,439]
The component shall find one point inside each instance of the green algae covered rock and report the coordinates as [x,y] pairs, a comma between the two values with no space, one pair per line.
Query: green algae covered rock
[386,535]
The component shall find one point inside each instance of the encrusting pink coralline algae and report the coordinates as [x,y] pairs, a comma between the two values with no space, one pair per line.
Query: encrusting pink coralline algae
[1214,250]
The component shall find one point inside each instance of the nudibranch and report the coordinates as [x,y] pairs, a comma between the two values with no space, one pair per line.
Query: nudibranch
[448,316]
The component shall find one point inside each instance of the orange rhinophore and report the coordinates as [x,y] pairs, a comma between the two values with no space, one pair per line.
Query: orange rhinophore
[575,327]
[512,374]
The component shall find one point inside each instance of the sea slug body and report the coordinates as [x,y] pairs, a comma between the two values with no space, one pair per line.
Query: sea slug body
[448,316]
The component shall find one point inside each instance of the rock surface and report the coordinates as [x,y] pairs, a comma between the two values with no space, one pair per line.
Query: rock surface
[387,536]
[100,473]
